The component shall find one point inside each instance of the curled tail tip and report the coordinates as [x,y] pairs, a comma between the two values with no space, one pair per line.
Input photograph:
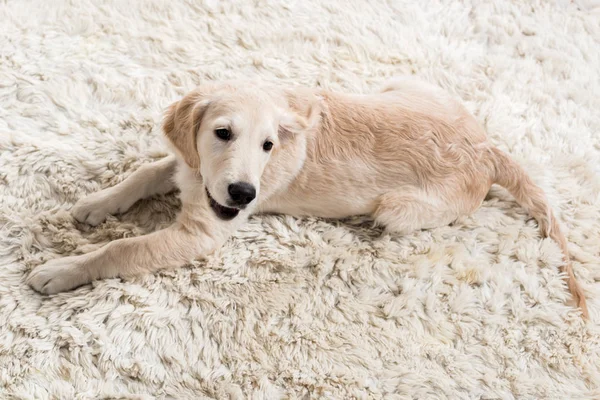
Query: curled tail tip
[582,304]
[577,296]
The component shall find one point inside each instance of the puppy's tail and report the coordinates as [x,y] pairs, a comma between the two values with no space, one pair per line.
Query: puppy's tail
[511,176]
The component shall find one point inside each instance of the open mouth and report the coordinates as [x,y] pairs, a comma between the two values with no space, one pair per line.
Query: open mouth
[225,213]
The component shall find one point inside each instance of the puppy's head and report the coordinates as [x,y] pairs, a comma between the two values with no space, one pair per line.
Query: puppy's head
[229,132]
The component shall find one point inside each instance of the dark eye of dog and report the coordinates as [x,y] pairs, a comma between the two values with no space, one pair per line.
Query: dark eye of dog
[223,134]
[267,146]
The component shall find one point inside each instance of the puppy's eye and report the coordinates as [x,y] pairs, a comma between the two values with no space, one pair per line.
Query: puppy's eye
[223,134]
[267,146]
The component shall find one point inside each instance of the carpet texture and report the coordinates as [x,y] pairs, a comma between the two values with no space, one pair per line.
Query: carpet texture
[298,308]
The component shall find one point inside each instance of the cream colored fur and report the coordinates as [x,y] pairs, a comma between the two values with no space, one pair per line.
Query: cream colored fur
[411,156]
[297,307]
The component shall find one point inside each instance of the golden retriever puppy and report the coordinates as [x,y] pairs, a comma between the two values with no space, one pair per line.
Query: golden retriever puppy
[411,156]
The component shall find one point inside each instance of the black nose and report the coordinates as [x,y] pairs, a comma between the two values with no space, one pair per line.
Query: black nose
[241,193]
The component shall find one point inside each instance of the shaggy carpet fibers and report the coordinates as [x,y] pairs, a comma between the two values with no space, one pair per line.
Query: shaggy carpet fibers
[298,308]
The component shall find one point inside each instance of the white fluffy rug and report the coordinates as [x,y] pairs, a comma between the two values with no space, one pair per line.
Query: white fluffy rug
[294,308]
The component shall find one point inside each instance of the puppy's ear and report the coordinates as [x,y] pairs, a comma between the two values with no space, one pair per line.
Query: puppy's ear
[303,113]
[181,125]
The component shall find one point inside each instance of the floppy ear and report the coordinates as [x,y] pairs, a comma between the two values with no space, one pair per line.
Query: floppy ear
[181,124]
[303,113]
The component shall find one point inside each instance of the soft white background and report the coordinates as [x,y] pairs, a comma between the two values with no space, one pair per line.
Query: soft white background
[294,308]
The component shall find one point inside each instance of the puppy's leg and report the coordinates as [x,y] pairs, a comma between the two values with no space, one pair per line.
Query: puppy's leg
[410,209]
[172,247]
[148,180]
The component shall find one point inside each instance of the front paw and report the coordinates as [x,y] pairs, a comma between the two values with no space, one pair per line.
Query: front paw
[58,275]
[92,209]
